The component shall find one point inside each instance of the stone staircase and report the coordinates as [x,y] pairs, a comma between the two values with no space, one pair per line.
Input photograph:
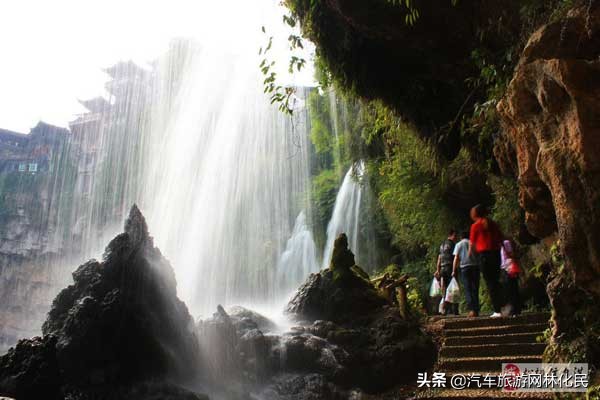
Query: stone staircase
[480,346]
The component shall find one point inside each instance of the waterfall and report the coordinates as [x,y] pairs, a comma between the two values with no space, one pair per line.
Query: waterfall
[220,174]
[224,182]
[346,212]
[299,258]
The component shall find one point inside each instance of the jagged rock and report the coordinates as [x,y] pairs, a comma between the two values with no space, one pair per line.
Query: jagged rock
[549,115]
[236,346]
[309,353]
[262,322]
[327,297]
[372,354]
[341,292]
[373,346]
[30,370]
[304,387]
[150,390]
[368,343]
[119,323]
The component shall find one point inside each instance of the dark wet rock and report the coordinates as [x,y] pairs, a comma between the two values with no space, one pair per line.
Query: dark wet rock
[342,259]
[376,353]
[118,324]
[372,352]
[323,297]
[262,322]
[322,328]
[236,346]
[151,390]
[309,353]
[356,339]
[340,293]
[30,370]
[304,387]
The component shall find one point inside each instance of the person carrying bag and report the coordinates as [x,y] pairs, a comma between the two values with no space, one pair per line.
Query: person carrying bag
[512,269]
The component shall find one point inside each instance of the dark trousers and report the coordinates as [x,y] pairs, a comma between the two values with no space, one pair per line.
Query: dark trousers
[470,280]
[514,298]
[446,273]
[490,268]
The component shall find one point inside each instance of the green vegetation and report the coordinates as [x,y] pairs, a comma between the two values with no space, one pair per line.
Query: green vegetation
[427,135]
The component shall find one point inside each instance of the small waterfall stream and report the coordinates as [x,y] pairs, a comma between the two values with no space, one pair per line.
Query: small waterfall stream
[346,212]
[299,258]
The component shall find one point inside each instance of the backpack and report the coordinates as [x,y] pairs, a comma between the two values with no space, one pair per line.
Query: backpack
[446,250]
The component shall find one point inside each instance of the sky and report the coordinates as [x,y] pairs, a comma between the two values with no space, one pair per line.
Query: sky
[52,52]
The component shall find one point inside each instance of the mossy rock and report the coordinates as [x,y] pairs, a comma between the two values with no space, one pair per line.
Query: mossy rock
[334,296]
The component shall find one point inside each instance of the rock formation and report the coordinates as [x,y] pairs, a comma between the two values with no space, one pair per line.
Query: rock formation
[119,326]
[348,339]
[338,294]
[375,347]
[550,117]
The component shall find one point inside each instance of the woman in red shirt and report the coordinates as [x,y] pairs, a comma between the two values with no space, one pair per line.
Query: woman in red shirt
[486,242]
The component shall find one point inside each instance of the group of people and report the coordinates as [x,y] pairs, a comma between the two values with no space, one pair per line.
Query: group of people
[483,250]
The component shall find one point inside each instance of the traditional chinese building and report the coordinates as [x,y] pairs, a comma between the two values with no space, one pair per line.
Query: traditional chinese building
[34,152]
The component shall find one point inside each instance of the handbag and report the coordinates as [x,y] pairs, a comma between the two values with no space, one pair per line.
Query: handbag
[513,269]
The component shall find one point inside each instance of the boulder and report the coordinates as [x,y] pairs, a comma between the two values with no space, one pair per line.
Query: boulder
[340,293]
[30,370]
[303,387]
[235,347]
[263,323]
[349,333]
[325,360]
[323,297]
[370,353]
[119,324]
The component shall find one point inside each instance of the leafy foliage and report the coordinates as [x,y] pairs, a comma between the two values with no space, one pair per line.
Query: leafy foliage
[279,94]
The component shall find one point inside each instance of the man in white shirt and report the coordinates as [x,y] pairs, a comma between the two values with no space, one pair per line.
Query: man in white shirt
[469,273]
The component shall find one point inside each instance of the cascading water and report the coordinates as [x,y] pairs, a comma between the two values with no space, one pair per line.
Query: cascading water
[224,183]
[219,172]
[299,258]
[346,212]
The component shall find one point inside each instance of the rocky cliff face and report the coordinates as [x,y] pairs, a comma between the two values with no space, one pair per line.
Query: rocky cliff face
[35,191]
[119,326]
[550,117]
[27,288]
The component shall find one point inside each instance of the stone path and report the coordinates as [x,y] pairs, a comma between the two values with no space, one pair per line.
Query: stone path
[480,346]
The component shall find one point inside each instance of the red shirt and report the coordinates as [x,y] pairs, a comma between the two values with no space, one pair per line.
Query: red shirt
[485,238]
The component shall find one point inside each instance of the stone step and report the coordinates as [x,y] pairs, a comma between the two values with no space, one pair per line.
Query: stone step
[492,339]
[493,350]
[491,364]
[524,319]
[481,394]
[497,330]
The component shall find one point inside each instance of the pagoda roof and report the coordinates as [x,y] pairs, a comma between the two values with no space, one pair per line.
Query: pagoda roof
[44,129]
[125,68]
[97,104]
[12,134]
